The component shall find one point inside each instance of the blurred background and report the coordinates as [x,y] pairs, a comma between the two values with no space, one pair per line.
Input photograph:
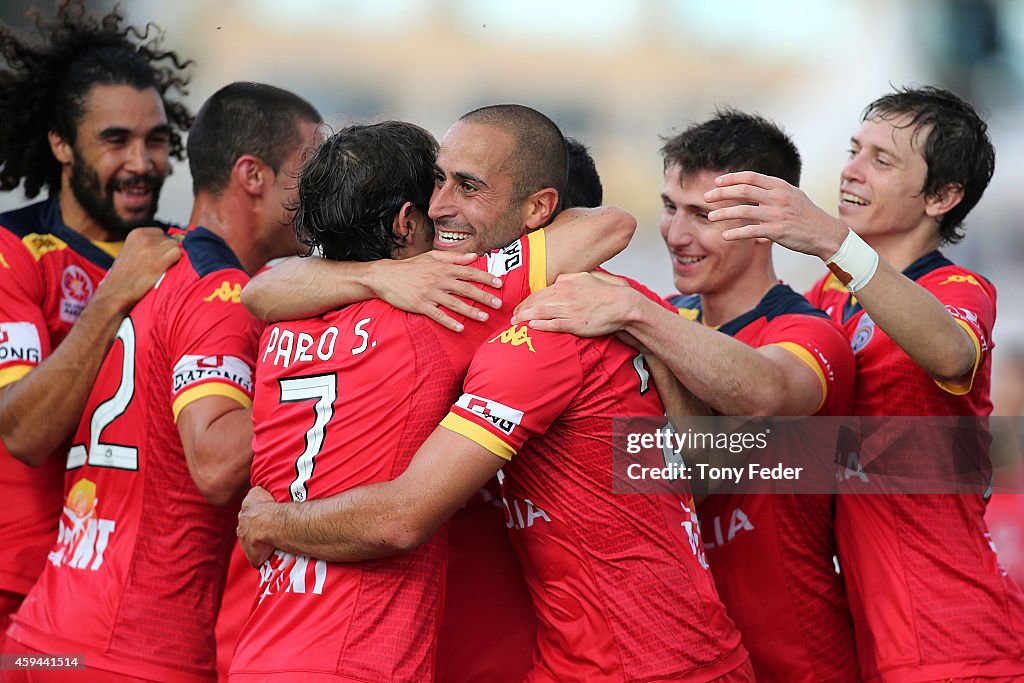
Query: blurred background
[617,74]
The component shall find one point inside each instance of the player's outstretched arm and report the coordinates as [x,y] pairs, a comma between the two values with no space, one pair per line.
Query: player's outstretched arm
[904,310]
[580,240]
[40,411]
[372,521]
[216,435]
[729,376]
[428,284]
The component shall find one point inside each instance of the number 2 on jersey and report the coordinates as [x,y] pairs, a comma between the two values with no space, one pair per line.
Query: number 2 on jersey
[101,454]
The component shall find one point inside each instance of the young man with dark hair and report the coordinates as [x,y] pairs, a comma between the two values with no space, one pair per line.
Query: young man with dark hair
[745,345]
[86,113]
[928,598]
[360,432]
[135,578]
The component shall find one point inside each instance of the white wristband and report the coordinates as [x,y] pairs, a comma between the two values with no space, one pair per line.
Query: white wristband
[855,263]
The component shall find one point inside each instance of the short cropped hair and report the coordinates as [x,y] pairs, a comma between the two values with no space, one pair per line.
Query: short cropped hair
[583,183]
[538,160]
[239,119]
[732,141]
[956,146]
[353,186]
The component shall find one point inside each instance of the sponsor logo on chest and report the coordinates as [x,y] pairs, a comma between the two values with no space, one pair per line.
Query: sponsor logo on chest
[83,536]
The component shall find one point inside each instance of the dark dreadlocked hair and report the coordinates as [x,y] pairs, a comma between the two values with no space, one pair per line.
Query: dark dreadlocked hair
[44,86]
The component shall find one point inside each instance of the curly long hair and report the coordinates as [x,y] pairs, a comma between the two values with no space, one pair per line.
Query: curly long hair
[44,85]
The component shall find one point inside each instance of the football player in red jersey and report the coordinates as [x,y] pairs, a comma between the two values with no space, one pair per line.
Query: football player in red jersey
[745,345]
[136,575]
[392,639]
[928,598]
[88,113]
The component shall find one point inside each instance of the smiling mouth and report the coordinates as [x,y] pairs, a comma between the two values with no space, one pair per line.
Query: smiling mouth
[446,237]
[689,260]
[847,198]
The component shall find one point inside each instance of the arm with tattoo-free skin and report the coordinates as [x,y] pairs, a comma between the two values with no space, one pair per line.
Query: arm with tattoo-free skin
[578,239]
[729,376]
[373,521]
[427,284]
[36,419]
[915,320]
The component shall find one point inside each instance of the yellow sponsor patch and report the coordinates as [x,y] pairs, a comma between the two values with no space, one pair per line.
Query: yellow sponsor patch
[227,293]
[42,244]
[3,261]
[516,336]
[959,279]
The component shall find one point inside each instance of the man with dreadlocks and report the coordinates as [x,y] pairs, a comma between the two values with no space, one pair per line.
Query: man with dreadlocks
[84,112]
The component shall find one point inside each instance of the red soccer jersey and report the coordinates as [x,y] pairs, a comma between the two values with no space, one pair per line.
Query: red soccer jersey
[485,599]
[619,582]
[346,400]
[135,578]
[927,596]
[48,273]
[772,554]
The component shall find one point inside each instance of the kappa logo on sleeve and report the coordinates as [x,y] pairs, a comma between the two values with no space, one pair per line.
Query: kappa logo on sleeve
[505,260]
[961,279]
[194,369]
[228,293]
[19,342]
[501,416]
[516,336]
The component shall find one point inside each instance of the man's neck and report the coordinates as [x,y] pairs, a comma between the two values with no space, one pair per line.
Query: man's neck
[235,224]
[900,250]
[744,294]
[76,218]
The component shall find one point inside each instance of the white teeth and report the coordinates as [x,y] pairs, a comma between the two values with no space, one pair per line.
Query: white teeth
[452,236]
[852,199]
[689,260]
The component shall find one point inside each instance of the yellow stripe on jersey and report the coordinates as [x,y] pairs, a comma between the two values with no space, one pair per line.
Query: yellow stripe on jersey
[12,374]
[689,313]
[478,434]
[964,386]
[806,356]
[209,389]
[112,248]
[42,244]
[832,282]
[538,259]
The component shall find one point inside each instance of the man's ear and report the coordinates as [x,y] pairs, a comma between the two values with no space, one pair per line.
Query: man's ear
[252,174]
[60,147]
[539,208]
[942,202]
[407,222]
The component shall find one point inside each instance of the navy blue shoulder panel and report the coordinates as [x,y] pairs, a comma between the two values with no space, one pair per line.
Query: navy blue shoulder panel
[44,218]
[208,253]
[690,301]
[780,300]
[933,260]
